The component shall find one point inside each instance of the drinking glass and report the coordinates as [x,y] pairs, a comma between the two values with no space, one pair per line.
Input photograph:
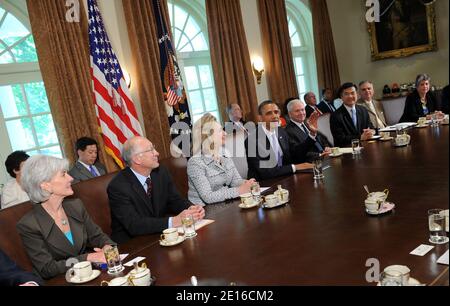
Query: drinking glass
[356,149]
[113,260]
[188,226]
[434,120]
[391,278]
[256,192]
[436,225]
[318,168]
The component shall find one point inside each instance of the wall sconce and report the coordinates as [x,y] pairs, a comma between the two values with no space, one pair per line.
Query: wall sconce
[127,77]
[258,68]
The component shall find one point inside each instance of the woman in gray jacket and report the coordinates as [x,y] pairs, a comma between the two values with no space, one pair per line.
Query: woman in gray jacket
[56,229]
[212,177]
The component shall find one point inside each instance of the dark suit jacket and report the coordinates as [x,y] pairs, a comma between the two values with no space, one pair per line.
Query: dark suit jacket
[445,100]
[323,107]
[342,126]
[259,152]
[133,213]
[12,275]
[413,107]
[231,127]
[80,173]
[48,247]
[303,147]
[309,110]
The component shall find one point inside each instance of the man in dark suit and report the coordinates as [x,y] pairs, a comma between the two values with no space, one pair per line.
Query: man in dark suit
[12,275]
[236,123]
[327,105]
[350,121]
[311,103]
[143,194]
[267,147]
[306,143]
[87,166]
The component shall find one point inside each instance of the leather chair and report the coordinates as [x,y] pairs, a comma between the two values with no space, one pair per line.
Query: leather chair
[323,126]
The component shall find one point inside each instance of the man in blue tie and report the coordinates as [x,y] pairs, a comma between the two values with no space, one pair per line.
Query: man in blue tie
[350,121]
[267,147]
[87,165]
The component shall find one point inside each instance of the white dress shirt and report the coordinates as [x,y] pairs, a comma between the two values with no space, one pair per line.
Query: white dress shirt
[269,135]
[13,194]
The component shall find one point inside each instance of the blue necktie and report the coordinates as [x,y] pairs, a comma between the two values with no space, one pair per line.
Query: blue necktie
[354,116]
[92,170]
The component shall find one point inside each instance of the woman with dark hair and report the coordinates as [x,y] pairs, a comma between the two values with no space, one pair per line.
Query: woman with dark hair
[420,103]
[13,193]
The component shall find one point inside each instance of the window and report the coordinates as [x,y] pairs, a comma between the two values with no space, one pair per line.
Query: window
[26,122]
[188,22]
[302,42]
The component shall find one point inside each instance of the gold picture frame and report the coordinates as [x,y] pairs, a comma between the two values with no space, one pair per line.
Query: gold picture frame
[407,27]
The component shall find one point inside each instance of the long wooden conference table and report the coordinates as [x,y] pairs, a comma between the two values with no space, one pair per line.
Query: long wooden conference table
[323,236]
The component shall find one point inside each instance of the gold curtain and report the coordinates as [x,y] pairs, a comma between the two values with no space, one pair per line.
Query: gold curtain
[63,52]
[327,65]
[143,35]
[278,59]
[233,75]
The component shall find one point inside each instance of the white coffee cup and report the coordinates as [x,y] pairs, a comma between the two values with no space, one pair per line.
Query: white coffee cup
[118,281]
[81,270]
[271,199]
[373,205]
[247,199]
[404,270]
[141,276]
[170,234]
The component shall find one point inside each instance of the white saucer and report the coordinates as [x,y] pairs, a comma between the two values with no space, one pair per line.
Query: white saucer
[400,145]
[276,205]
[336,155]
[411,282]
[387,138]
[178,241]
[243,206]
[117,272]
[385,207]
[76,280]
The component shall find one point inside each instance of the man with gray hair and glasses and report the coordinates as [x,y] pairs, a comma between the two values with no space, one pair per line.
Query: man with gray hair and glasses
[143,194]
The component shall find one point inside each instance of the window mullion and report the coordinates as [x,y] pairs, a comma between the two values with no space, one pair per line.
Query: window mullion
[33,130]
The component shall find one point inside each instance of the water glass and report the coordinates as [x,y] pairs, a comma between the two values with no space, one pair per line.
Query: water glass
[391,278]
[434,120]
[113,259]
[318,168]
[398,131]
[256,192]
[188,226]
[356,148]
[436,225]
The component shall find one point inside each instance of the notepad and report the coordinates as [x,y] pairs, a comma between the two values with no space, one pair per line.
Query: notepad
[443,260]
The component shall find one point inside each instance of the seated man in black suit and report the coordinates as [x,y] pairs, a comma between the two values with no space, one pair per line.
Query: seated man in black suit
[267,147]
[311,103]
[350,121]
[236,122]
[327,103]
[12,275]
[305,141]
[143,194]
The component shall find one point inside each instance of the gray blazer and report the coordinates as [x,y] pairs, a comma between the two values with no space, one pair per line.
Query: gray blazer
[211,182]
[373,116]
[80,173]
[48,247]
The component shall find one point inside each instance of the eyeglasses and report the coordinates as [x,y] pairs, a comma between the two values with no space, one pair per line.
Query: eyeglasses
[152,150]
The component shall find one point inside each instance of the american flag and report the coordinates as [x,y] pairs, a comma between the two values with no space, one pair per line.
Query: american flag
[116,114]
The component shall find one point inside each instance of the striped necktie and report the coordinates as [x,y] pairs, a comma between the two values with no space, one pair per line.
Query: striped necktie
[92,171]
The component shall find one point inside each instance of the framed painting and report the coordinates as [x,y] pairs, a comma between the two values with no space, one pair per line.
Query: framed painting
[406,27]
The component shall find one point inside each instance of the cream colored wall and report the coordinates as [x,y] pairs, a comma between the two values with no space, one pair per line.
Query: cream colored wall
[353,49]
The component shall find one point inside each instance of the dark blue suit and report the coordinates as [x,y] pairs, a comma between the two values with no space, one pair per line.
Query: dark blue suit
[12,275]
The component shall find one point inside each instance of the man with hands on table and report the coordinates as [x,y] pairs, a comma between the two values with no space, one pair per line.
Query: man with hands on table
[350,121]
[143,194]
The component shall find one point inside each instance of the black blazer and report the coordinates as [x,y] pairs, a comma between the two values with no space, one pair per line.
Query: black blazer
[413,107]
[323,107]
[48,247]
[342,126]
[309,110]
[304,148]
[133,213]
[12,275]
[260,156]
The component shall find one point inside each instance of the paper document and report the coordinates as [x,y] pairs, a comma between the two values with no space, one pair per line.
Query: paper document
[198,225]
[403,125]
[443,260]
[131,262]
